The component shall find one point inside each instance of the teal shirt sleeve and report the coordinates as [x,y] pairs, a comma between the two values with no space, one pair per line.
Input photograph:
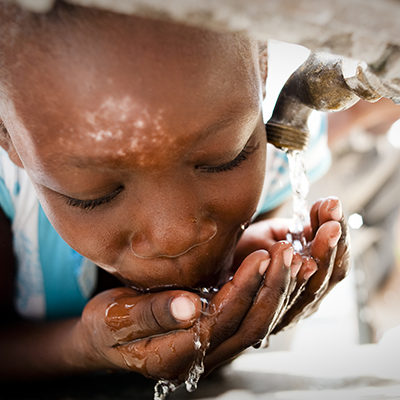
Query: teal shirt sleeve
[6,202]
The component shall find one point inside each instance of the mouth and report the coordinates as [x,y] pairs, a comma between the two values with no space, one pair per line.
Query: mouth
[203,270]
[196,279]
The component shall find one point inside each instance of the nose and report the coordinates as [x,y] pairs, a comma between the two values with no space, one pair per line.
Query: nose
[179,225]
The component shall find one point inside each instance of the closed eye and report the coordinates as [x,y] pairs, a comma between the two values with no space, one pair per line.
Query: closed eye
[242,156]
[90,204]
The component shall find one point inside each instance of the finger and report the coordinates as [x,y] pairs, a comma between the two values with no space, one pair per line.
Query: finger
[323,250]
[332,255]
[261,235]
[314,216]
[232,302]
[296,302]
[330,209]
[324,210]
[276,287]
[313,283]
[265,309]
[342,259]
[295,268]
[168,356]
[279,228]
[340,268]
[308,268]
[133,317]
[309,235]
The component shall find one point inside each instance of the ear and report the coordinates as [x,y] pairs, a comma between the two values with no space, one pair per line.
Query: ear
[263,63]
[7,144]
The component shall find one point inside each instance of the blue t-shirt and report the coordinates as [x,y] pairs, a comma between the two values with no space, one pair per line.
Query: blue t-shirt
[53,280]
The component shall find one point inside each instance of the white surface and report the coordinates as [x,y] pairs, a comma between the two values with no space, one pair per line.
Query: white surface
[362,372]
[334,325]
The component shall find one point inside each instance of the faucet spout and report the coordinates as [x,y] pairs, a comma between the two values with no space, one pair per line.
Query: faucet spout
[324,82]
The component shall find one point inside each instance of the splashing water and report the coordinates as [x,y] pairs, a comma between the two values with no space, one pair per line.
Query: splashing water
[300,189]
[200,345]
[164,387]
[197,368]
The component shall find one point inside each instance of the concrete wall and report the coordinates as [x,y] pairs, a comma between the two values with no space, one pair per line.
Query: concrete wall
[367,30]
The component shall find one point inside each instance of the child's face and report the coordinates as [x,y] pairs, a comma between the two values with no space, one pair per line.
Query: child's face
[144,140]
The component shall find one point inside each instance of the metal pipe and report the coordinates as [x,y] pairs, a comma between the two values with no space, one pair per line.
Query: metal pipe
[324,82]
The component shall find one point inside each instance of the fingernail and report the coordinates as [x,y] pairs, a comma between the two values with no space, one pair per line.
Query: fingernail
[311,271]
[336,212]
[263,266]
[333,240]
[288,257]
[295,268]
[182,308]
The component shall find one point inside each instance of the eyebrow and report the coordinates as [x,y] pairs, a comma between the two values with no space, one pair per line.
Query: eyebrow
[82,162]
[215,127]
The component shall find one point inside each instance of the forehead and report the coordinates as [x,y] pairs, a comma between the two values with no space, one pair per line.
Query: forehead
[106,84]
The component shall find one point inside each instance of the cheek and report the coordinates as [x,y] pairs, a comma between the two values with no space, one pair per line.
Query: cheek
[241,191]
[102,235]
[91,234]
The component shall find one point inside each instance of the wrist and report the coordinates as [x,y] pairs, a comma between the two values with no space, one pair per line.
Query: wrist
[79,352]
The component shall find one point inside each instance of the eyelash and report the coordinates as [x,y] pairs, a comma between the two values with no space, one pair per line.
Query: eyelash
[242,156]
[90,204]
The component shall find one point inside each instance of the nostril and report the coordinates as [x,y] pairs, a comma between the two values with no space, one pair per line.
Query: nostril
[172,242]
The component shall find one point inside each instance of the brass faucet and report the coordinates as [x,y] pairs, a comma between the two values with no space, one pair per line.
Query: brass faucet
[324,82]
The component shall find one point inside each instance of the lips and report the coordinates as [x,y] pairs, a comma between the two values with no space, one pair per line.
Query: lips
[192,271]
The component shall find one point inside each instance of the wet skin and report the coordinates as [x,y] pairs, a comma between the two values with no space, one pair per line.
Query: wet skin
[153,127]
[146,146]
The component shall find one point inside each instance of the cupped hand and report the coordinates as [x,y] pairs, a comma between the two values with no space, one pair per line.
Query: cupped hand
[272,287]
[329,246]
[154,333]
[324,259]
[146,333]
[247,308]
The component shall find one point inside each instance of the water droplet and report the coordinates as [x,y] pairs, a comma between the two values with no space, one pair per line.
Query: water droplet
[163,388]
[205,290]
[244,226]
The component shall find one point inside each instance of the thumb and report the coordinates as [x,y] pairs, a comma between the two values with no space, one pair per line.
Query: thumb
[129,317]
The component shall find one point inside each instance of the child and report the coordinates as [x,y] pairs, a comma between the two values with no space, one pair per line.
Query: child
[144,143]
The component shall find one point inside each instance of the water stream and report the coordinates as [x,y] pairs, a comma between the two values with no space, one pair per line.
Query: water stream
[197,368]
[164,387]
[300,188]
